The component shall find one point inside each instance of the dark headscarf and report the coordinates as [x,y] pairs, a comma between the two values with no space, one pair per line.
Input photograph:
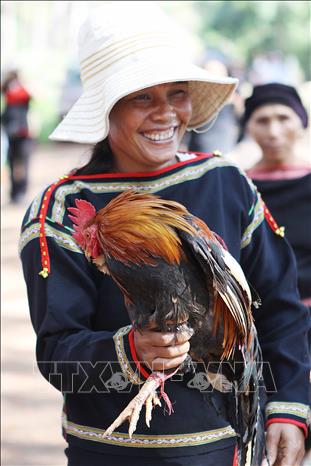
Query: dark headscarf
[275,93]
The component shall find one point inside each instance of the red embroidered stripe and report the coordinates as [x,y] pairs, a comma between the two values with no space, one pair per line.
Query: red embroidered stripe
[235,458]
[45,258]
[134,355]
[289,421]
[274,226]
[143,174]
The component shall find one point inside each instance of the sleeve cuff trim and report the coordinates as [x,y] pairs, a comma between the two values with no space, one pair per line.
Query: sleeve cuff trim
[294,409]
[141,369]
[288,421]
[122,356]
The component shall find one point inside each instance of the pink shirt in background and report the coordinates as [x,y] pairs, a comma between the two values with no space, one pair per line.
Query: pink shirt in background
[284,172]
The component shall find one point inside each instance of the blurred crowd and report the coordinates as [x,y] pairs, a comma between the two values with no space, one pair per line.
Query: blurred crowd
[226,133]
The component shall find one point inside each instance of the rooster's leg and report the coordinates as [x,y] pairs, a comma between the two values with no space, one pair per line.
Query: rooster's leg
[148,396]
[152,401]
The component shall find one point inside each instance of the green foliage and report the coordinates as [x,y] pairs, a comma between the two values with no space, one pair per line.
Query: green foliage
[240,29]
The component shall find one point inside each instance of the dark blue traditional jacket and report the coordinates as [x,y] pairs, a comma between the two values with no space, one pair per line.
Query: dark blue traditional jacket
[289,201]
[82,325]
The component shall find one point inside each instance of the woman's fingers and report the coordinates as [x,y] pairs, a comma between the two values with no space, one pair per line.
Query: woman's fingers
[169,352]
[161,351]
[166,339]
[161,364]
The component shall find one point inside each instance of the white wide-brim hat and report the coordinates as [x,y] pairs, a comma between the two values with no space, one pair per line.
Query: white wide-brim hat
[119,56]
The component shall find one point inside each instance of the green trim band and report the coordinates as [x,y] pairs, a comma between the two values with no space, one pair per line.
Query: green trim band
[62,239]
[283,407]
[106,186]
[35,207]
[147,441]
[122,358]
[257,220]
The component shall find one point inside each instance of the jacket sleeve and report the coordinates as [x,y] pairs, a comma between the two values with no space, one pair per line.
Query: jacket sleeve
[71,352]
[281,320]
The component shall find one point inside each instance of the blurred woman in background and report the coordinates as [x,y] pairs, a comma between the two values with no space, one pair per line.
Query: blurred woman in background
[15,124]
[276,118]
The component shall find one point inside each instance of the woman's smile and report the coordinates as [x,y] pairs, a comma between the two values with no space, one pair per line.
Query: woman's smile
[160,136]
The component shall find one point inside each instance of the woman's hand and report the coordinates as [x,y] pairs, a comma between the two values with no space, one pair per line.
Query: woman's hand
[285,445]
[160,351]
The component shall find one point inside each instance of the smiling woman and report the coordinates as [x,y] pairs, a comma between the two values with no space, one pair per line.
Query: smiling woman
[146,127]
[140,96]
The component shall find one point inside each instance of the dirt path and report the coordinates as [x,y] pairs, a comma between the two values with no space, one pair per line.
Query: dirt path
[31,408]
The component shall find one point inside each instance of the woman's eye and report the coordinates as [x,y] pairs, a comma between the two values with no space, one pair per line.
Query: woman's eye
[179,93]
[262,121]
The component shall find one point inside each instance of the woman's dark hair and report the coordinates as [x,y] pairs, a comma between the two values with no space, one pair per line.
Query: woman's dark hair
[9,77]
[101,160]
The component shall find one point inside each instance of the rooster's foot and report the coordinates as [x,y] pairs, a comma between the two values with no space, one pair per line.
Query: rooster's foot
[148,396]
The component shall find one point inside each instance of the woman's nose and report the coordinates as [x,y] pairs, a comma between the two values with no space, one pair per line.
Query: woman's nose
[163,111]
[274,128]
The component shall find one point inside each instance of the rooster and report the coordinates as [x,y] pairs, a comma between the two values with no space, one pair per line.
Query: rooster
[175,272]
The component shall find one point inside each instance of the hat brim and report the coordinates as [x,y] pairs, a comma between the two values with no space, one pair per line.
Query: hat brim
[88,120]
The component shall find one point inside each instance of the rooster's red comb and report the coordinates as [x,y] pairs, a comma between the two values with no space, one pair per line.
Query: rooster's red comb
[82,213]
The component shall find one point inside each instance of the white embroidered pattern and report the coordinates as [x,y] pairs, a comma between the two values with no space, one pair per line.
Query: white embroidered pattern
[34,209]
[123,361]
[297,409]
[186,174]
[147,441]
[62,239]
[257,220]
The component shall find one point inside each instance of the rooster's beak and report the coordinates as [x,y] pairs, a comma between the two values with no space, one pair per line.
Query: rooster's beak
[88,256]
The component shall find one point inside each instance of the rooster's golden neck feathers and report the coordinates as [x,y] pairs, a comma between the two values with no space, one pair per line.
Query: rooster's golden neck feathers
[137,228]
[134,228]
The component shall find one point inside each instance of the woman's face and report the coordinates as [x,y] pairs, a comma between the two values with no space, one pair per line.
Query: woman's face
[146,127]
[275,128]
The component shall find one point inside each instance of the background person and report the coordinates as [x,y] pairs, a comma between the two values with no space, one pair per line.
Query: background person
[15,123]
[139,97]
[276,118]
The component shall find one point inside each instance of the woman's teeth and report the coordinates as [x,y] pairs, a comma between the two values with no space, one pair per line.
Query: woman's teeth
[159,135]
